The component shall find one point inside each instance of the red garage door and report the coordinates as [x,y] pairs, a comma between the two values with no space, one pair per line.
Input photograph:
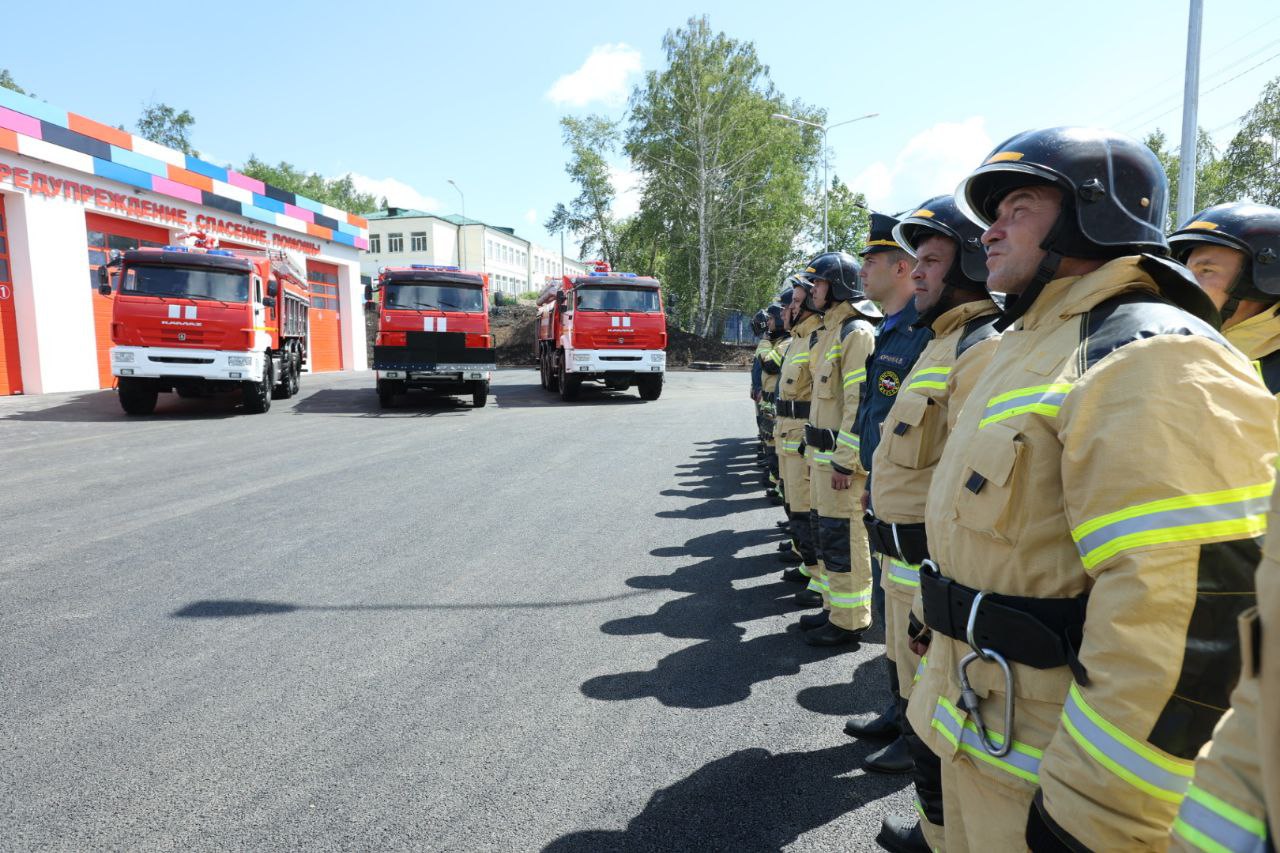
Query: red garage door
[10,358]
[107,234]
[326,333]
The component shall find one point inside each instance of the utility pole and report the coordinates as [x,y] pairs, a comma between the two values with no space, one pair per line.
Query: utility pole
[1190,123]
[826,243]
[462,238]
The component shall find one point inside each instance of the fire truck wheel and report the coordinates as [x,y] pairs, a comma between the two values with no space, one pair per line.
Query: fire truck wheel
[289,383]
[479,394]
[257,395]
[544,378]
[568,384]
[650,387]
[137,398]
[553,378]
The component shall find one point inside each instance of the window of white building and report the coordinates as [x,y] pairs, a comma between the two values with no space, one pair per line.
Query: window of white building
[418,241]
[395,243]
[375,243]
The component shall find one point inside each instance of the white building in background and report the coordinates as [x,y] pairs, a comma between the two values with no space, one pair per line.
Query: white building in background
[401,236]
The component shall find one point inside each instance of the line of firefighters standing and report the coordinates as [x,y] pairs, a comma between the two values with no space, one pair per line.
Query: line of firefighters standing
[1045,460]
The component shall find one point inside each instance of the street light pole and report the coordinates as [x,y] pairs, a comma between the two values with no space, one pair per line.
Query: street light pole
[462,234]
[826,242]
[1190,107]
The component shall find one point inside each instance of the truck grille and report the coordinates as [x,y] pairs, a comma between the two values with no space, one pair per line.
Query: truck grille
[173,359]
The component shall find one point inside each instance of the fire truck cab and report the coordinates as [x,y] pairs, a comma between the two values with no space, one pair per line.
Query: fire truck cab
[433,332]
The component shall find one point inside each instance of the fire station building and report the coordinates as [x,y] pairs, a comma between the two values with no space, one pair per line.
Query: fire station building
[72,190]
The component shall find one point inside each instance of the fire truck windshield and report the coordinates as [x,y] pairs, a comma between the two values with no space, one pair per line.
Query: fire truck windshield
[637,299]
[188,282]
[442,297]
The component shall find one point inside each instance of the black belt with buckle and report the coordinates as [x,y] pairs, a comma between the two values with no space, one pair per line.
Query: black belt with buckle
[902,541]
[1043,633]
[819,439]
[793,409]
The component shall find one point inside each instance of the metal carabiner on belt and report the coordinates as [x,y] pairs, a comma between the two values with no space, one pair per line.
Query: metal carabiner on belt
[969,699]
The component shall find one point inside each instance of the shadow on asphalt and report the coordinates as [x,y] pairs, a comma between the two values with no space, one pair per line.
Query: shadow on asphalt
[722,669]
[534,396]
[104,407]
[232,608]
[363,403]
[869,696]
[752,800]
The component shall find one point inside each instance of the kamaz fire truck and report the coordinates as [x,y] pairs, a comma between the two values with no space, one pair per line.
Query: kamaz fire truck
[198,320]
[606,327]
[433,332]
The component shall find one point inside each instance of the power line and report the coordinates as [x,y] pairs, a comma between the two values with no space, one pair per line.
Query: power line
[1147,122]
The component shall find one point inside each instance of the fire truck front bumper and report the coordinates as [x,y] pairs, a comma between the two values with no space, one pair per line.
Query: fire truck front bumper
[173,363]
[615,361]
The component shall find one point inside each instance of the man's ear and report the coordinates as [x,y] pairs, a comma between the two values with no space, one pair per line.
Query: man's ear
[904,267]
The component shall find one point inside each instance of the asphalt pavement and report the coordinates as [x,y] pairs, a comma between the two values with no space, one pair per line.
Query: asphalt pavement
[532,626]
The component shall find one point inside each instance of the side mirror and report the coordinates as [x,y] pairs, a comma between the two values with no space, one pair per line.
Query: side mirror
[273,287]
[368,293]
[269,301]
[104,289]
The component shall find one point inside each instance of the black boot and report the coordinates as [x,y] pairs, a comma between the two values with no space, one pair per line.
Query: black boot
[783,525]
[894,758]
[784,547]
[808,598]
[902,835]
[880,727]
[791,558]
[793,576]
[831,635]
[809,621]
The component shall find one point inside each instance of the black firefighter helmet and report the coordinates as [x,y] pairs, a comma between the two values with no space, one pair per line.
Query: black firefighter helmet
[1115,197]
[843,275]
[758,322]
[939,216]
[1251,229]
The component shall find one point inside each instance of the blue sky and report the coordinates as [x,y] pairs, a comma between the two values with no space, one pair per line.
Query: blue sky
[408,95]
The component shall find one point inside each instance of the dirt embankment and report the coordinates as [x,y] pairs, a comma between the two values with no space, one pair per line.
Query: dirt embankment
[515,327]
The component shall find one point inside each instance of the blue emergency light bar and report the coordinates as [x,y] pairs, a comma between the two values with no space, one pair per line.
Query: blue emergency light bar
[177,248]
[613,275]
[224,252]
[433,267]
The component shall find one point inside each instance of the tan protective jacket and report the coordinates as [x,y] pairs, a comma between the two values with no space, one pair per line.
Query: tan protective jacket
[1124,452]
[1268,642]
[1225,802]
[840,354]
[1259,339]
[771,351]
[795,383]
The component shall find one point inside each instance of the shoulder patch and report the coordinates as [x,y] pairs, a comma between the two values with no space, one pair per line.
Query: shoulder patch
[1132,317]
[855,323]
[976,331]
[1269,369]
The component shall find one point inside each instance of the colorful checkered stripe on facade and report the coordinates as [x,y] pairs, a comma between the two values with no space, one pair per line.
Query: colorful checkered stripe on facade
[35,129]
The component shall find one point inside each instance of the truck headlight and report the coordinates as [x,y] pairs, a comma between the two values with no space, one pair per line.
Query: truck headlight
[582,356]
[122,356]
[657,356]
[239,360]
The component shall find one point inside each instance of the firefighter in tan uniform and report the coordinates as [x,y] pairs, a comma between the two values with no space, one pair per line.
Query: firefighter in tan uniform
[795,384]
[1094,520]
[769,360]
[1234,252]
[951,297]
[837,478]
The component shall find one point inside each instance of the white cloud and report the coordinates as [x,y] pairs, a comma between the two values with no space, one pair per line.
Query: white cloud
[604,76]
[626,187]
[397,193]
[932,163]
[531,216]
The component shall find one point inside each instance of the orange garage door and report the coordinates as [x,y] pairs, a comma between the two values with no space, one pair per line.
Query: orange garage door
[10,360]
[105,235]
[326,333]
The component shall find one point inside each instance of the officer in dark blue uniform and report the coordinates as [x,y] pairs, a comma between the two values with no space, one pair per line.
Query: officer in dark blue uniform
[886,277]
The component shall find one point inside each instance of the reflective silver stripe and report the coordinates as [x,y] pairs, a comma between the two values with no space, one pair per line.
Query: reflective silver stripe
[904,573]
[1182,517]
[1019,762]
[1135,762]
[1216,828]
[1048,398]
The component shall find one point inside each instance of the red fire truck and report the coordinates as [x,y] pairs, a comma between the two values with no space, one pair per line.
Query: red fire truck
[198,320]
[606,327]
[433,332]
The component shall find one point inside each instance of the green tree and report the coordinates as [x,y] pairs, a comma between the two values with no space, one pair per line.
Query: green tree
[848,218]
[723,182]
[7,82]
[1252,158]
[590,215]
[164,125]
[1211,172]
[338,192]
